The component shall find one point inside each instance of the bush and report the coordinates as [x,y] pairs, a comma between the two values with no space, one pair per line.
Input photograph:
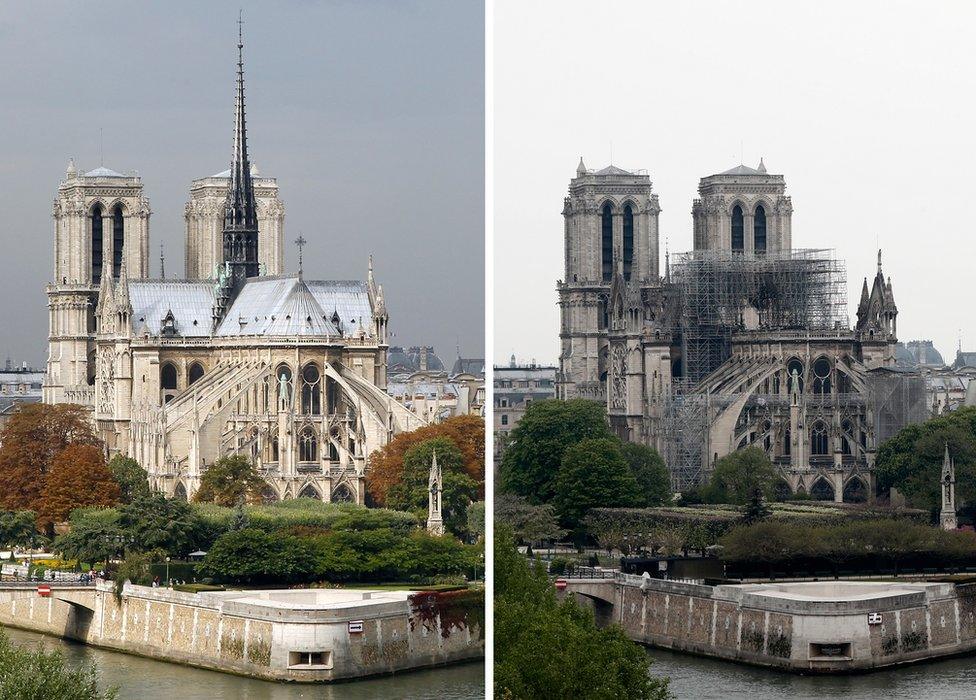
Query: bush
[33,674]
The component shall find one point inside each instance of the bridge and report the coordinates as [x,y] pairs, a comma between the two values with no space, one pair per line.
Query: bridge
[21,600]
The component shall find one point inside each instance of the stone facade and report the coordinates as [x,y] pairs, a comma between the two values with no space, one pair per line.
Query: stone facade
[744,341]
[236,358]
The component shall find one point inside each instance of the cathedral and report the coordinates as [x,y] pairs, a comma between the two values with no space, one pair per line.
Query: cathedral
[744,341]
[238,357]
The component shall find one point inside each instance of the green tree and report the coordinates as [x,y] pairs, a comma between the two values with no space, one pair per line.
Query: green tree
[532,461]
[737,475]
[476,520]
[18,528]
[545,648]
[155,522]
[229,480]
[92,540]
[911,460]
[132,479]
[593,474]
[757,509]
[31,673]
[459,489]
[652,475]
[256,556]
[529,523]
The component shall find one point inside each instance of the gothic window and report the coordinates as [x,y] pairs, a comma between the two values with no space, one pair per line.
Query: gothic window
[118,240]
[268,495]
[283,387]
[342,494]
[819,441]
[607,241]
[196,372]
[309,491]
[96,244]
[308,446]
[311,390]
[822,490]
[167,376]
[821,376]
[179,493]
[855,491]
[738,231]
[786,443]
[274,449]
[759,230]
[628,240]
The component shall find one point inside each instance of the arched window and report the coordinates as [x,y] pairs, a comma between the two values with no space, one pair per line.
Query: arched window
[274,448]
[342,494]
[333,452]
[759,230]
[791,366]
[308,446]
[179,493]
[118,240]
[607,241]
[738,231]
[96,244]
[855,491]
[821,376]
[628,240]
[167,376]
[283,387]
[196,372]
[309,491]
[311,390]
[822,490]
[786,443]
[819,442]
[268,495]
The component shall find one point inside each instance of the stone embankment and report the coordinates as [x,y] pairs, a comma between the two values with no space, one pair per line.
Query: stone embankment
[297,635]
[817,627]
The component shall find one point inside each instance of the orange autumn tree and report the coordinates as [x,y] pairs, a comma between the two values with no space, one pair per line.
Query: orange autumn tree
[78,478]
[386,464]
[30,440]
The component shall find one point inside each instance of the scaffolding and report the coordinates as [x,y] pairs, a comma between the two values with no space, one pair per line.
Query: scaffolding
[719,292]
[898,398]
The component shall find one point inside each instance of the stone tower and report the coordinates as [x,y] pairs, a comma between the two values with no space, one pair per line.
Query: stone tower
[204,215]
[435,488]
[610,227]
[743,210]
[101,226]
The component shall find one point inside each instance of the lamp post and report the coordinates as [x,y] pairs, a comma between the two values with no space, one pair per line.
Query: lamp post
[167,572]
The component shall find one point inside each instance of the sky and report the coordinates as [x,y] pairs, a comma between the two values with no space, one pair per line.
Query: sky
[866,108]
[369,114]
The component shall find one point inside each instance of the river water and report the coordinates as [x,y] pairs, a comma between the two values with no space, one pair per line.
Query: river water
[699,678]
[143,679]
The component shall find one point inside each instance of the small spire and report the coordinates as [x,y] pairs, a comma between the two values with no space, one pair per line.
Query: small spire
[879,261]
[581,168]
[162,261]
[762,166]
[72,170]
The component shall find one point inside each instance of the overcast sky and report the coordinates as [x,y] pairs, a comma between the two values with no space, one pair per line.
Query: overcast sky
[370,115]
[867,108]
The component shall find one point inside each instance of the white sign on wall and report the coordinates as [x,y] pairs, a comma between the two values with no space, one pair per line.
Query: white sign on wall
[355,627]
[874,618]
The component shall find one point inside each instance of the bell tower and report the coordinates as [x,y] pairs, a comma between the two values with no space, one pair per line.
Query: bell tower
[101,226]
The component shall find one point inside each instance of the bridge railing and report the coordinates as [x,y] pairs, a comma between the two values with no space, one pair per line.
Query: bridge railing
[578,572]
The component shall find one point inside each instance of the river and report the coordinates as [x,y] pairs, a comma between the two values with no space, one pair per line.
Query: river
[142,679]
[698,678]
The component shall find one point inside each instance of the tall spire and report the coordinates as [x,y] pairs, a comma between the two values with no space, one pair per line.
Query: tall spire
[240,211]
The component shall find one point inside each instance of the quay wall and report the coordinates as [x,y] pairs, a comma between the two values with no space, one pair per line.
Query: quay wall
[745,623]
[222,632]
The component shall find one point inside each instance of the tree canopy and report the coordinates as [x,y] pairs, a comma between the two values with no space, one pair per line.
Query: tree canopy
[912,459]
[652,475]
[529,523]
[532,461]
[30,673]
[736,477]
[29,442]
[229,480]
[154,522]
[459,489]
[18,528]
[78,479]
[593,474]
[545,648]
[386,465]
[132,479]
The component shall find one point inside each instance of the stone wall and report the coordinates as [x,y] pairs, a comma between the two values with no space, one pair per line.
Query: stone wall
[214,631]
[745,623]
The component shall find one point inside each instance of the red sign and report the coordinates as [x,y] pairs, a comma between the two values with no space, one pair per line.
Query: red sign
[44,590]
[561,584]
